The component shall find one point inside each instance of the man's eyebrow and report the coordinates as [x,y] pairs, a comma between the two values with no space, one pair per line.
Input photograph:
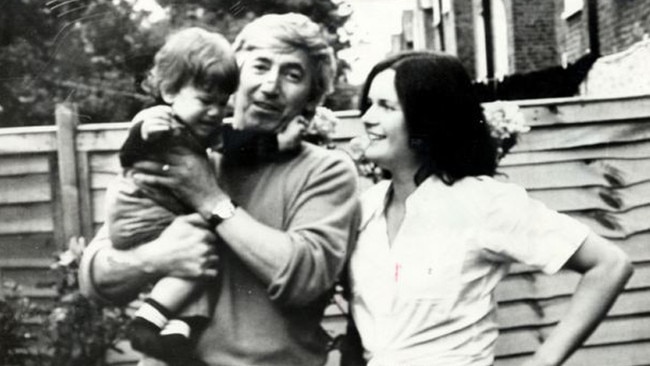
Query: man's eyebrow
[261,58]
[294,65]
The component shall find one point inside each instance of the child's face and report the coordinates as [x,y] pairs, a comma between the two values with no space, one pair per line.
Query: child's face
[201,110]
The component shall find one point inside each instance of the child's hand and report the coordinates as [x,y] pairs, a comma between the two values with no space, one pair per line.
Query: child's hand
[155,120]
[153,129]
[290,137]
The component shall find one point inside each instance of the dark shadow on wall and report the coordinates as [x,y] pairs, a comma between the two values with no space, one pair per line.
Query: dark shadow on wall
[553,82]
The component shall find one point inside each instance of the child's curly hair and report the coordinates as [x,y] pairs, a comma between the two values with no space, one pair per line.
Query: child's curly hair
[193,56]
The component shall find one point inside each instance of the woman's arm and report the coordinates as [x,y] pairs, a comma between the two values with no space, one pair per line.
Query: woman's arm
[605,270]
[184,249]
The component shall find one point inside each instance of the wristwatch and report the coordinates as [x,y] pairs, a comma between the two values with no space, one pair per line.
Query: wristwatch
[222,211]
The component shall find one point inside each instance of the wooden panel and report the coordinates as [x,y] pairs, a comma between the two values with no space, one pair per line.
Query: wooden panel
[28,245]
[34,273]
[85,194]
[101,137]
[606,173]
[21,140]
[591,198]
[629,150]
[67,121]
[540,286]
[612,330]
[637,247]
[23,164]
[581,110]
[26,218]
[99,205]
[520,314]
[616,225]
[25,189]
[104,162]
[629,354]
[569,136]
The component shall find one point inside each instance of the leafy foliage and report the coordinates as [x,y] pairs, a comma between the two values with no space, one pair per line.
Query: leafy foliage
[96,52]
[72,331]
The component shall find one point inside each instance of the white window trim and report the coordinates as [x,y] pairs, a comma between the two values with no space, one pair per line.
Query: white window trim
[572,7]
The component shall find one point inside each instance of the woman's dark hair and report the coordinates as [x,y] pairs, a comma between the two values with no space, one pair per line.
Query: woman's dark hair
[443,117]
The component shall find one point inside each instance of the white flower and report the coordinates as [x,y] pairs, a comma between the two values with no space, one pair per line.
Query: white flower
[323,124]
[505,119]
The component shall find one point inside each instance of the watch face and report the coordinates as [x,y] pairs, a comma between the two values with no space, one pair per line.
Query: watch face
[224,209]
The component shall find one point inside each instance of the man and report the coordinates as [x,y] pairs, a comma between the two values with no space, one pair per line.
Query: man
[284,224]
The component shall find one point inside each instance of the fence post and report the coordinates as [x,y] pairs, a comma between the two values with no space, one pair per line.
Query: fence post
[67,121]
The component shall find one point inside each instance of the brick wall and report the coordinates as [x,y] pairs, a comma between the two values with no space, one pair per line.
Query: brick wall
[534,35]
[622,23]
[464,21]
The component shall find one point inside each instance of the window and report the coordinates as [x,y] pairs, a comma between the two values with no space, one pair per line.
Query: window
[572,7]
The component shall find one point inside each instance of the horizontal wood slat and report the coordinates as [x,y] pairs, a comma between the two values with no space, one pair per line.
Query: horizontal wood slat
[549,311]
[629,150]
[616,225]
[32,188]
[534,286]
[545,112]
[612,330]
[627,354]
[23,164]
[26,218]
[25,263]
[109,139]
[606,173]
[595,198]
[570,136]
[22,140]
[27,245]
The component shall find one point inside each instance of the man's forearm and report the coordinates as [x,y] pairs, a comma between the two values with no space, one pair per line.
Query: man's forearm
[184,249]
[113,275]
[120,275]
[265,250]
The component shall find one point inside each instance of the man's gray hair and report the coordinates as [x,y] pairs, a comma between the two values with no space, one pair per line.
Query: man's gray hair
[293,31]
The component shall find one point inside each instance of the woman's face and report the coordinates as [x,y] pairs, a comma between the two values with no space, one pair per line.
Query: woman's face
[385,126]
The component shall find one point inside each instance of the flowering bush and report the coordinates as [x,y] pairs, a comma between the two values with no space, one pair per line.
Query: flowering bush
[365,168]
[321,127]
[74,331]
[15,314]
[506,122]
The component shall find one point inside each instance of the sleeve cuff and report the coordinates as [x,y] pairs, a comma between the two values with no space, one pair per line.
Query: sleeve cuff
[86,281]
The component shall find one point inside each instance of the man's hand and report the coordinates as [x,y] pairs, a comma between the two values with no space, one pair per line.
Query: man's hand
[191,177]
[184,249]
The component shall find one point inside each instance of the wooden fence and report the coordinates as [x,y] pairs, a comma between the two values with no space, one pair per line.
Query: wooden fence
[589,158]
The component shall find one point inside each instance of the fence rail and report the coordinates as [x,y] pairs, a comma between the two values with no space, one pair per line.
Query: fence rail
[589,158]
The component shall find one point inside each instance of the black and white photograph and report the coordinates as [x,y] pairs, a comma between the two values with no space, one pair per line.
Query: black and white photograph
[324,183]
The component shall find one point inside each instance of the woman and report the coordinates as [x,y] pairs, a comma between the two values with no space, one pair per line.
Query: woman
[437,238]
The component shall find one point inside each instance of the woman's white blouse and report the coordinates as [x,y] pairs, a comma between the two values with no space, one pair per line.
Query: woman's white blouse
[427,299]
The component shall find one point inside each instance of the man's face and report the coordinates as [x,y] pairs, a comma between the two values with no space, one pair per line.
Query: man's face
[274,88]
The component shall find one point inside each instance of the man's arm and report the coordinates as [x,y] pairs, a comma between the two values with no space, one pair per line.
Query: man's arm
[300,264]
[605,270]
[184,249]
